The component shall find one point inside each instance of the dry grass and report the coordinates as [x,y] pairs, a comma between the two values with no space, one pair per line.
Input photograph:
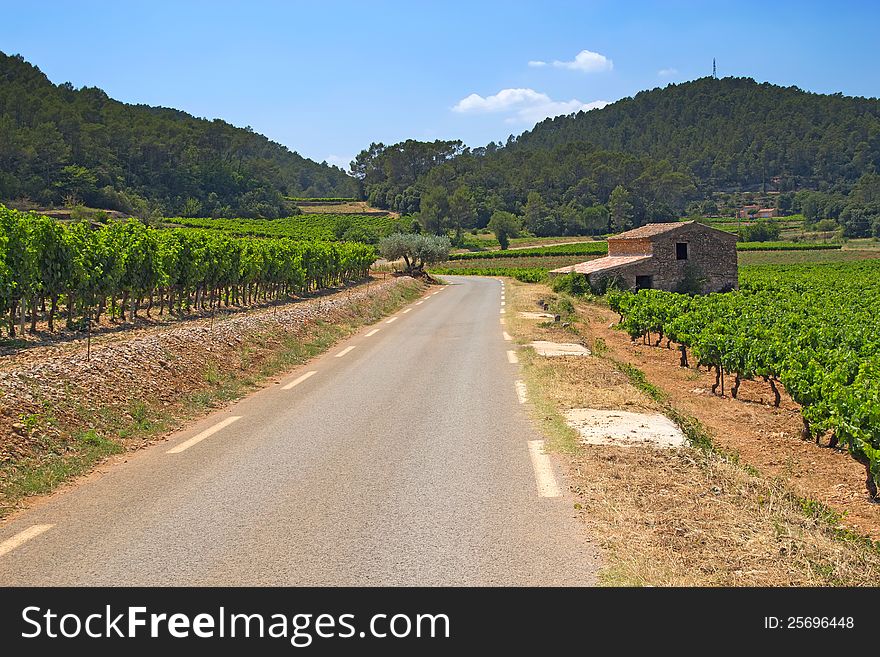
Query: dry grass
[684,517]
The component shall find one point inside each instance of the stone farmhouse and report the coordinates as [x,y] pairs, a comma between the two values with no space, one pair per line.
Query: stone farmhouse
[682,256]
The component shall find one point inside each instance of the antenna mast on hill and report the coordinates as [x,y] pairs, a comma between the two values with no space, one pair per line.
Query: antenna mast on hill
[714,72]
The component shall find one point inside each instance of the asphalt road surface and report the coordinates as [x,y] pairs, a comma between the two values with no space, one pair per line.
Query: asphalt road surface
[403,456]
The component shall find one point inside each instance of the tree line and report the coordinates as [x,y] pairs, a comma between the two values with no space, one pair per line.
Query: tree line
[63,145]
[573,189]
[125,266]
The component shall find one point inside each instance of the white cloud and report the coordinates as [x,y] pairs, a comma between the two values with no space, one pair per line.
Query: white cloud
[341,161]
[503,100]
[667,72]
[587,61]
[536,63]
[523,105]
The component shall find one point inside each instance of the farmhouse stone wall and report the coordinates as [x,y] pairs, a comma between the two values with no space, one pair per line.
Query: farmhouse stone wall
[712,259]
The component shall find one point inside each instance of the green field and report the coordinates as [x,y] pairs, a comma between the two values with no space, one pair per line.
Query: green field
[325,227]
[543,263]
[806,257]
[577,249]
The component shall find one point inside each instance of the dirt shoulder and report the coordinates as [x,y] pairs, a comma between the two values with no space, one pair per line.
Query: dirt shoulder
[63,411]
[691,516]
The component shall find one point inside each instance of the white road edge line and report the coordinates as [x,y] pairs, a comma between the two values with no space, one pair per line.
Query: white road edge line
[502,311]
[205,434]
[502,302]
[373,332]
[393,319]
[419,303]
[296,382]
[406,311]
[512,357]
[546,480]
[507,336]
[345,351]
[502,321]
[23,537]
[521,392]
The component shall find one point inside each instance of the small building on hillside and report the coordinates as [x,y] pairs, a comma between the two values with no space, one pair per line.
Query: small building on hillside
[756,212]
[684,256]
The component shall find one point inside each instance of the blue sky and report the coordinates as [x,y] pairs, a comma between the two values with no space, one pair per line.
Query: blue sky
[327,78]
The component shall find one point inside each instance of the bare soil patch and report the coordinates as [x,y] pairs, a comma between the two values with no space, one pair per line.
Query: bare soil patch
[555,349]
[624,428]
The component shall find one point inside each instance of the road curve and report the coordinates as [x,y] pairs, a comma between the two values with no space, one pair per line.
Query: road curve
[405,459]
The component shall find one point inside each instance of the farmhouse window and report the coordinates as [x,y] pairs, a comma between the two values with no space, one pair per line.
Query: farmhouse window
[681,251]
[644,282]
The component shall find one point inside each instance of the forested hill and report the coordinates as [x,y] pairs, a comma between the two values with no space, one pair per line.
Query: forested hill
[61,144]
[733,133]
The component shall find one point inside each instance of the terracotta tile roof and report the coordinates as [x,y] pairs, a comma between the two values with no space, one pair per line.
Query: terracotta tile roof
[600,264]
[649,230]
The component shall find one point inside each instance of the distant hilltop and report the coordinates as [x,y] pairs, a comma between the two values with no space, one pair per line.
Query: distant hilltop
[65,146]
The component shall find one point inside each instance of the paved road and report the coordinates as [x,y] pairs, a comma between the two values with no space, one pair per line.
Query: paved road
[403,460]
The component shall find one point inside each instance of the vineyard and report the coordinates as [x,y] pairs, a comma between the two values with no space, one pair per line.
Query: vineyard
[809,329]
[323,227]
[601,248]
[124,265]
[786,246]
[576,249]
[524,274]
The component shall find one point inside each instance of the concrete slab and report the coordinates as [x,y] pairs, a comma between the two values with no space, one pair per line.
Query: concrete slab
[624,429]
[544,348]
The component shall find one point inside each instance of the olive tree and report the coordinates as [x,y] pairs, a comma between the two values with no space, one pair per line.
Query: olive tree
[415,250]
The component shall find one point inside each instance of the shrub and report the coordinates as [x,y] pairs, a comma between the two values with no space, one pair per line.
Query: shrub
[574,284]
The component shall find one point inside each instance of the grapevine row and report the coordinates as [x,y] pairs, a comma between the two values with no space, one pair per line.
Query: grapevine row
[812,330]
[125,266]
[300,227]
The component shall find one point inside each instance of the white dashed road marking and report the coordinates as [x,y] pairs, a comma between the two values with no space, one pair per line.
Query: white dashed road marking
[345,351]
[393,319]
[521,392]
[508,336]
[512,357]
[546,480]
[205,434]
[373,332]
[406,311]
[22,537]
[299,380]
